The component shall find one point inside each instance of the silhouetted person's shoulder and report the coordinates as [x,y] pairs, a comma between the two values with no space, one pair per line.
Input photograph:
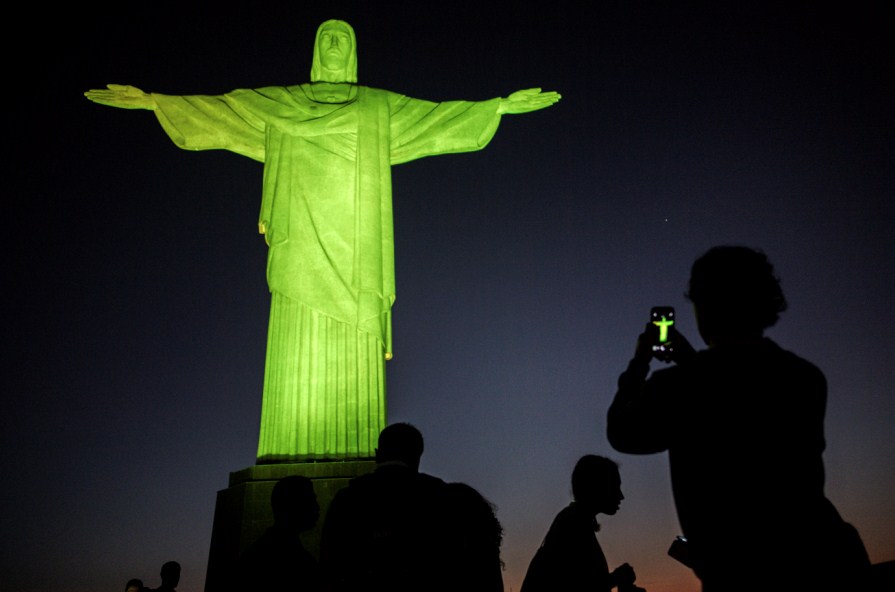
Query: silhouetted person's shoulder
[739,368]
[430,482]
[387,486]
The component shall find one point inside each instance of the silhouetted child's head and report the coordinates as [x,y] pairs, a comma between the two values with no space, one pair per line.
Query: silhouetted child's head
[734,292]
[400,442]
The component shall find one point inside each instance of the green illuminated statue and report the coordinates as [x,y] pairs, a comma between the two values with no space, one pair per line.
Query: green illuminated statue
[326,214]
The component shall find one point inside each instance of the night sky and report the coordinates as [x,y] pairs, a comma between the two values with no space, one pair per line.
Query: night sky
[136,311]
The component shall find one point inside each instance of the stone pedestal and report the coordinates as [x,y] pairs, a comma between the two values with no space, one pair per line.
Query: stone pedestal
[242,511]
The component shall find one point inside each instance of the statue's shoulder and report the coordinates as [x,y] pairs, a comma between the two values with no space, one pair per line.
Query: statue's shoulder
[302,93]
[380,92]
[265,91]
[388,99]
[277,94]
[283,91]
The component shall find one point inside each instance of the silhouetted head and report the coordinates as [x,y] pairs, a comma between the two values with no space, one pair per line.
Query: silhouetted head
[473,514]
[335,53]
[400,442]
[597,484]
[170,574]
[735,293]
[134,585]
[294,503]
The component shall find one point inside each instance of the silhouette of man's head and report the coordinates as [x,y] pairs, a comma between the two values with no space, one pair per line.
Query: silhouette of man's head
[400,442]
[596,484]
[170,574]
[734,292]
[134,585]
[294,503]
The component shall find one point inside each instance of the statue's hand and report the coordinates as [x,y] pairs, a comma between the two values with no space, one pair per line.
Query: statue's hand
[122,96]
[530,99]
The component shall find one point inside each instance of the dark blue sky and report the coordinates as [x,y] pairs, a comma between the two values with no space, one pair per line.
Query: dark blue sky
[137,306]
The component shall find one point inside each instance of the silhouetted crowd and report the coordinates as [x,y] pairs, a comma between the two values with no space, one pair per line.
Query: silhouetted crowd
[742,422]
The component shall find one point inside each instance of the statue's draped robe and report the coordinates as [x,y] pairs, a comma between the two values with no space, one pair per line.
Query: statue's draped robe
[326,211]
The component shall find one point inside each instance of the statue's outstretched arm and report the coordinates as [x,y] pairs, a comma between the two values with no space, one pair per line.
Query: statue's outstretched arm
[122,96]
[530,99]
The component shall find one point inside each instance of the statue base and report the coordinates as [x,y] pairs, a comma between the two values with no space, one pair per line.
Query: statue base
[242,511]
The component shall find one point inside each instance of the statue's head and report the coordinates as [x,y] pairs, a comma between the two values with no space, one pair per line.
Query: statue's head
[335,53]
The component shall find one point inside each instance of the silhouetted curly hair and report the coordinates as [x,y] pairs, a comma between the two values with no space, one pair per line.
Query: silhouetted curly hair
[737,284]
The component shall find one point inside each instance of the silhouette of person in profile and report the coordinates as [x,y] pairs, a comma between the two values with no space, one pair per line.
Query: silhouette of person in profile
[472,539]
[383,532]
[743,424]
[278,560]
[170,574]
[570,556]
[134,585]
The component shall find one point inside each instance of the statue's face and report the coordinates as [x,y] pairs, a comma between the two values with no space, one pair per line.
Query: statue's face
[334,48]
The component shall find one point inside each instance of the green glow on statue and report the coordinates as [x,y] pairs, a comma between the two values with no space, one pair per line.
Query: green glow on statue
[326,214]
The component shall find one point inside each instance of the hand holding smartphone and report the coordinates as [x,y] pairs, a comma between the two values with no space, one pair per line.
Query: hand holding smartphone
[663,318]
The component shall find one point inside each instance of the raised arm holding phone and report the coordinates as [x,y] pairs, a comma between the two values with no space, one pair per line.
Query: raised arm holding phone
[743,424]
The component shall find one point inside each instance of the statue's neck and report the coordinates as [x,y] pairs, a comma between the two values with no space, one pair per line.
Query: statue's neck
[333,92]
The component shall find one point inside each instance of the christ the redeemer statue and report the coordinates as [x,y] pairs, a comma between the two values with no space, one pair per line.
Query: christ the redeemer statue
[326,214]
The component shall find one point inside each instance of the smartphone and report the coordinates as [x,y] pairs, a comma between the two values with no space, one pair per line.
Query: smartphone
[663,318]
[679,550]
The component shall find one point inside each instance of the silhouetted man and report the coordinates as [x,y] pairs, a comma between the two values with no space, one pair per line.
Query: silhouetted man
[382,532]
[743,424]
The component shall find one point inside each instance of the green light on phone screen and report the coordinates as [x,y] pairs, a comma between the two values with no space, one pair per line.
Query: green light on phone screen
[663,326]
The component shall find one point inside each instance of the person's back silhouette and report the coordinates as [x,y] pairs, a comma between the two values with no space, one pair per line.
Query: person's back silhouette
[743,424]
[278,560]
[570,557]
[383,532]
